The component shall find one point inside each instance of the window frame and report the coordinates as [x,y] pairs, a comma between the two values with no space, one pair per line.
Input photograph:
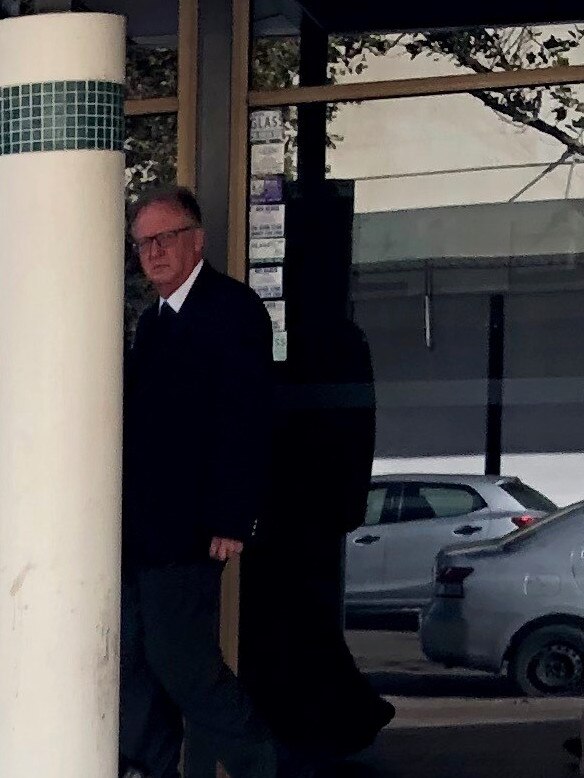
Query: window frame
[184,103]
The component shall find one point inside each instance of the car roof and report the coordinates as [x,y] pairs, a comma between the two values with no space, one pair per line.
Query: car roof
[444,478]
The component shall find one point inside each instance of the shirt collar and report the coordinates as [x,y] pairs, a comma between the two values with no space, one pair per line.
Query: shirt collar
[178,297]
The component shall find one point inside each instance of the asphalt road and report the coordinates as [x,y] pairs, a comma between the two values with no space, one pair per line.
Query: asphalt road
[426,694]
[395,665]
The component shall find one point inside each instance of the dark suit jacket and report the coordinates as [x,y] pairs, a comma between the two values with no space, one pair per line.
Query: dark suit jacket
[197,423]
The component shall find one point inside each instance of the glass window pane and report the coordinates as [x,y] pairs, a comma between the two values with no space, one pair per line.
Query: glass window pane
[150,72]
[456,198]
[151,152]
[275,62]
[415,506]
[448,501]
[432,208]
[388,56]
[375,502]
[527,497]
[488,176]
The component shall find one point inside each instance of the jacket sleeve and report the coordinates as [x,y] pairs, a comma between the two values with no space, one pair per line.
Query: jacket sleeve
[240,455]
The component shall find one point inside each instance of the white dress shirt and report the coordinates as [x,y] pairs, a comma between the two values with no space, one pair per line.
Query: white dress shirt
[178,297]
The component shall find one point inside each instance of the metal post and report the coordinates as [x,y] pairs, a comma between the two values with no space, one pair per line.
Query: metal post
[495,385]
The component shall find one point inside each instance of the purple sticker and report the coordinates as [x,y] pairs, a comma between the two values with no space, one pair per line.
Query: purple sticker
[266,190]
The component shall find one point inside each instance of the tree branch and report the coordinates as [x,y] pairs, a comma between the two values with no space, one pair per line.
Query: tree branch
[538,124]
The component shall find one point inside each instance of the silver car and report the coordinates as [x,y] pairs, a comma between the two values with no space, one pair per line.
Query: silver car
[390,558]
[515,604]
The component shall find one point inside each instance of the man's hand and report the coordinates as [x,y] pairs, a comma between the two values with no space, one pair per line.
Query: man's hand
[223,549]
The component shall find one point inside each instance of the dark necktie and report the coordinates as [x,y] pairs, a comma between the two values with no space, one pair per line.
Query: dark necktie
[166,318]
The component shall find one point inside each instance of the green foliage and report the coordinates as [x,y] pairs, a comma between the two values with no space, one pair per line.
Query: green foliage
[151,72]
[276,64]
[151,151]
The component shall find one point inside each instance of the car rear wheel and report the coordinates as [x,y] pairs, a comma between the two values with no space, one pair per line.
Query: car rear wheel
[549,662]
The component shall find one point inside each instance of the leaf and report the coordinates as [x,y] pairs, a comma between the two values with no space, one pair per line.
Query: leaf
[413,49]
[560,113]
[552,43]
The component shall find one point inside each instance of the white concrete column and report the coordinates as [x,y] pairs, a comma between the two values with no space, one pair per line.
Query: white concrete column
[61,291]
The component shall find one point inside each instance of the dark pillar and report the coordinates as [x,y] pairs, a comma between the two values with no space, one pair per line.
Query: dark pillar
[214,99]
[495,385]
[312,118]
[212,187]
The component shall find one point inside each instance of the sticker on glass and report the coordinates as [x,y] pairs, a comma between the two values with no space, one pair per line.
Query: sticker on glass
[266,190]
[266,126]
[280,346]
[277,311]
[267,251]
[266,221]
[267,282]
[267,159]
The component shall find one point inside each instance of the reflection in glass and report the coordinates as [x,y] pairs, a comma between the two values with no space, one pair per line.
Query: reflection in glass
[275,62]
[150,72]
[492,175]
[151,154]
[151,151]
[468,220]
[379,57]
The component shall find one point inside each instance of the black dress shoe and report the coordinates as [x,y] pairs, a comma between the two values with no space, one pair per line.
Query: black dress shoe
[361,733]
[574,747]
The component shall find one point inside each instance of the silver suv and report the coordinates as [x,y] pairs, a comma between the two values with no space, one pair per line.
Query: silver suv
[390,558]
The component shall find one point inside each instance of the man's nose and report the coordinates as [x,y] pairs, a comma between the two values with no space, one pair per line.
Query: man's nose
[156,249]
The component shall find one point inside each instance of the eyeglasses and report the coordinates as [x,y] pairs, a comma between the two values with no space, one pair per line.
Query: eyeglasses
[164,240]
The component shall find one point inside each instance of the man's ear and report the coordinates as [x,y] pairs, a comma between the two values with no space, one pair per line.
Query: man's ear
[200,240]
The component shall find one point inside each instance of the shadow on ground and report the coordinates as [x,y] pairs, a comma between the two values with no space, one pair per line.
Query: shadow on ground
[394,622]
[488,751]
[410,684]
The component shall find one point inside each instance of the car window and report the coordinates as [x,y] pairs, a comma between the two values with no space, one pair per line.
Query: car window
[375,502]
[527,497]
[438,501]
[383,504]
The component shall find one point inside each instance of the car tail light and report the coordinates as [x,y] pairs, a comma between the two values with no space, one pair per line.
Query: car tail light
[450,580]
[523,521]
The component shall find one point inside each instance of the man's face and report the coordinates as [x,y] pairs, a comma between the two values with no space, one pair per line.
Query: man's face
[174,249]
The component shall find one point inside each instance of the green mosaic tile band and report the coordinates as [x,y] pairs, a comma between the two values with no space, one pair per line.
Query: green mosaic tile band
[61,115]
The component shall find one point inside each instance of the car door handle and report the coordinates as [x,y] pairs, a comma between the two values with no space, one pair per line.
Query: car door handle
[366,540]
[467,530]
